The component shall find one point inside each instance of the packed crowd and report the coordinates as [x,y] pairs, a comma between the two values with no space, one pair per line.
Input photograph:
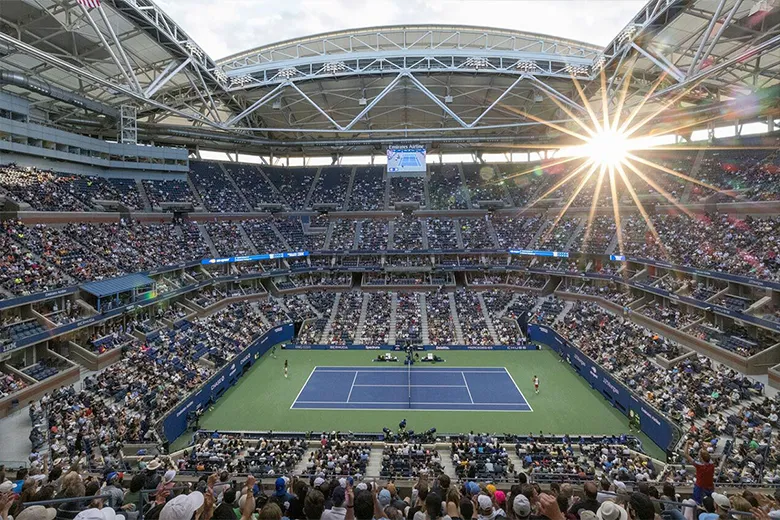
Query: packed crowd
[692,388]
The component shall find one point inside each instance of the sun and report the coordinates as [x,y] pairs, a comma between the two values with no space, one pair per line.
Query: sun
[607,147]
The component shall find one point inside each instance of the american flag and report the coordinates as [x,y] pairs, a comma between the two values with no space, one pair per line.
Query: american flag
[89,3]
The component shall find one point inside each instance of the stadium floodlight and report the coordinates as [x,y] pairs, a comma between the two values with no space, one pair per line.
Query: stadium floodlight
[194,49]
[288,73]
[526,66]
[477,63]
[627,34]
[333,67]
[240,81]
[577,70]
[599,62]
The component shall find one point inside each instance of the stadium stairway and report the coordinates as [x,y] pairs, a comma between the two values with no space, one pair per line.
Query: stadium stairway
[386,184]
[488,321]
[307,203]
[207,239]
[466,191]
[361,328]
[233,183]
[536,237]
[426,339]
[268,182]
[578,232]
[391,337]
[329,234]
[613,244]
[300,468]
[139,184]
[458,236]
[513,458]
[567,306]
[695,167]
[358,234]
[426,190]
[391,234]
[424,231]
[514,299]
[446,464]
[329,326]
[455,319]
[195,194]
[247,241]
[350,186]
[730,411]
[374,466]
[280,236]
[492,232]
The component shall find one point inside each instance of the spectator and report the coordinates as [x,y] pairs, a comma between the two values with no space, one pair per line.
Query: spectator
[590,503]
[705,472]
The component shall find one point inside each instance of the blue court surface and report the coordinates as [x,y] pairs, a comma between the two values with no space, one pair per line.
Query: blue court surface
[397,388]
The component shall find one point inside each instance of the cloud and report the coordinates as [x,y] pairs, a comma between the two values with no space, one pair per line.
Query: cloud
[230,26]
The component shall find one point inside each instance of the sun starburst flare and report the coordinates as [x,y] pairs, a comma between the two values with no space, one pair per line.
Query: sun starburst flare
[610,142]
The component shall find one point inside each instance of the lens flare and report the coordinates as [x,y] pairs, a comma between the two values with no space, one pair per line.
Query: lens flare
[607,147]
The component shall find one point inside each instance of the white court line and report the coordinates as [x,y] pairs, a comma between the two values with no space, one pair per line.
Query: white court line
[413,403]
[467,387]
[414,386]
[353,384]
[442,370]
[304,386]
[518,390]
[415,409]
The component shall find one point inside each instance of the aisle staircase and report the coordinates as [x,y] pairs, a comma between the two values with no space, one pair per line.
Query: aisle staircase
[361,328]
[374,466]
[455,319]
[426,339]
[488,321]
[391,338]
[207,239]
[326,332]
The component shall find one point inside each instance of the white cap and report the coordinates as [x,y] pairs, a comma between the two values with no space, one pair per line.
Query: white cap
[182,507]
[485,502]
[94,513]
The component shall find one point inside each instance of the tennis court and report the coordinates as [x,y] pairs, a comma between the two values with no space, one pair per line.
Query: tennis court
[411,388]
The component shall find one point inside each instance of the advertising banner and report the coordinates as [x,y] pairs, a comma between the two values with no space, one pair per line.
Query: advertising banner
[654,424]
[175,422]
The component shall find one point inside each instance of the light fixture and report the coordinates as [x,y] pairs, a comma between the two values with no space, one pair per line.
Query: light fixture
[627,34]
[526,66]
[477,63]
[576,70]
[332,67]
[288,73]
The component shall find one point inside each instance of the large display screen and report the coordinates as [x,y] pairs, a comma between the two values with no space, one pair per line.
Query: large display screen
[403,159]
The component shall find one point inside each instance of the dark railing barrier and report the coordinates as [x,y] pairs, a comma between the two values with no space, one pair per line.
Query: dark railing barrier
[174,423]
[653,423]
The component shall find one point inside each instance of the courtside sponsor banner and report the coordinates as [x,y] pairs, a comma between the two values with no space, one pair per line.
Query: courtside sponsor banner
[175,422]
[654,424]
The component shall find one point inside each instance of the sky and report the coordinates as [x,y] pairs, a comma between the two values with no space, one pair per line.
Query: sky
[224,27]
